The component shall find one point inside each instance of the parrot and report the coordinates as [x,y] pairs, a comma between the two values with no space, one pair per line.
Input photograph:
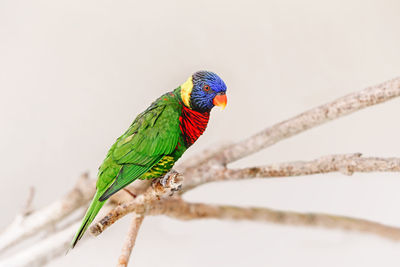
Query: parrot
[157,138]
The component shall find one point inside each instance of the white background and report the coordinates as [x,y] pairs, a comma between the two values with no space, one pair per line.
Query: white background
[74,74]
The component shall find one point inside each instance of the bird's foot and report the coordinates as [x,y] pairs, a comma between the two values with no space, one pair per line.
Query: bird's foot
[171,182]
[164,180]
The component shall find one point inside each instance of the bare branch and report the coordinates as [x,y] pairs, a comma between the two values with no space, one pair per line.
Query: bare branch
[202,158]
[50,247]
[28,208]
[344,163]
[130,240]
[177,208]
[44,251]
[24,227]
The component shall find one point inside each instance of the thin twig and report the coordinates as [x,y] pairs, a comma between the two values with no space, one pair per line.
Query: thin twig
[202,158]
[346,164]
[32,224]
[28,208]
[44,251]
[130,240]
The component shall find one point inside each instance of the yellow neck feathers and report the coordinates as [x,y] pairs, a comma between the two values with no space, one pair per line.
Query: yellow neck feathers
[186,91]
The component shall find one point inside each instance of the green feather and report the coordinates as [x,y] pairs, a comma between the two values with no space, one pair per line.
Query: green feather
[127,175]
[91,213]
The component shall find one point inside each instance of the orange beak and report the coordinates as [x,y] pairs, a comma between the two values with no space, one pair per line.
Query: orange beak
[220,101]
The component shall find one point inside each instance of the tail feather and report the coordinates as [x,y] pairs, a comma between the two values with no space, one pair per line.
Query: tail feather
[91,213]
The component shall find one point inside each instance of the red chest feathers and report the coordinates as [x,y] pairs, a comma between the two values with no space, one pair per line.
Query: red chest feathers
[193,124]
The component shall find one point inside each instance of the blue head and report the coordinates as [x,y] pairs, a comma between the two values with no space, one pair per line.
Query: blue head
[204,90]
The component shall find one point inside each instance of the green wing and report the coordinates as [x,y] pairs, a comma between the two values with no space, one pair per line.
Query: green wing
[153,134]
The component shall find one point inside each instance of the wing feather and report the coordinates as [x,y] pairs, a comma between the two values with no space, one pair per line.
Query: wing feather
[151,136]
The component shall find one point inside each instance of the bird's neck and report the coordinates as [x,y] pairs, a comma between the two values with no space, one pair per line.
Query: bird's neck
[192,124]
[177,92]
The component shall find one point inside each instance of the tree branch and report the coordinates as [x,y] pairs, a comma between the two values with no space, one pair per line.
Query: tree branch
[28,208]
[346,164]
[179,209]
[44,251]
[130,240]
[29,225]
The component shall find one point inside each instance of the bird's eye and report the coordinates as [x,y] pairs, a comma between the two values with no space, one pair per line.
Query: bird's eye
[206,88]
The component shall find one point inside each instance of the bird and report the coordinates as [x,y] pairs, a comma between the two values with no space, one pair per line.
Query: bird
[157,138]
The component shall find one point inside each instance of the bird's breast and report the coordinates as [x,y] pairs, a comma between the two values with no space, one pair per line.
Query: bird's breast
[192,124]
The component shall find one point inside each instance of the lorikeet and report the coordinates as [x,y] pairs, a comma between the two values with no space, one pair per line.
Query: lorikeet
[157,138]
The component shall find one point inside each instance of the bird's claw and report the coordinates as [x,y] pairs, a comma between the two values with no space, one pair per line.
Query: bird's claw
[164,180]
[169,183]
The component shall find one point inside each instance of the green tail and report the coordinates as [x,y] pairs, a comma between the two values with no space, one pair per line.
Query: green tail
[91,213]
